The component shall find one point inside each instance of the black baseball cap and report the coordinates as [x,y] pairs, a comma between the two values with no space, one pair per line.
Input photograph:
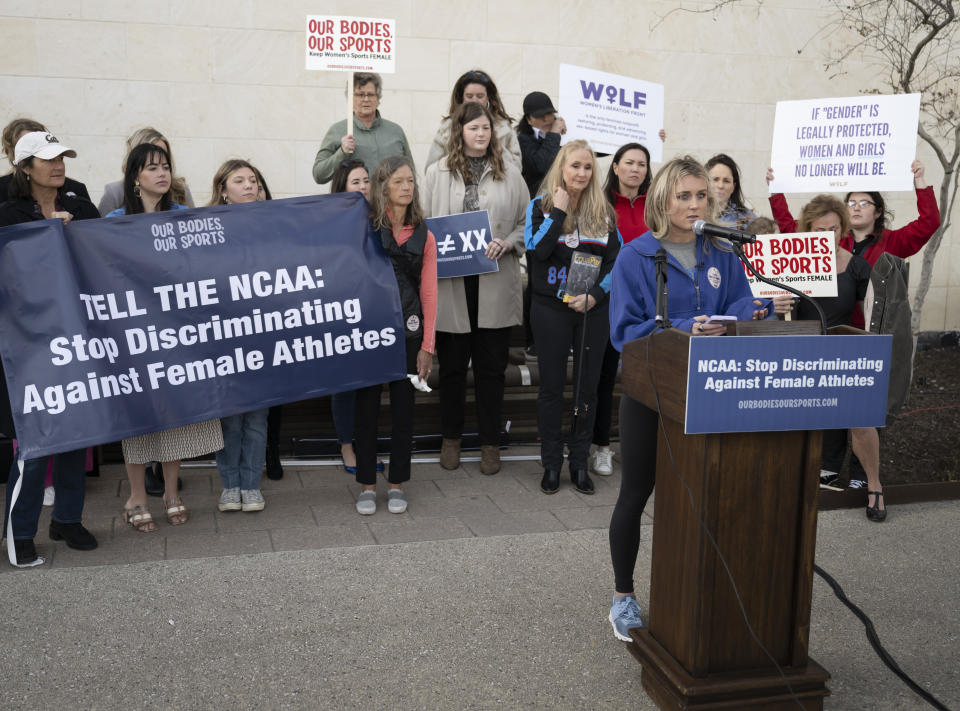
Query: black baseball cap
[536,104]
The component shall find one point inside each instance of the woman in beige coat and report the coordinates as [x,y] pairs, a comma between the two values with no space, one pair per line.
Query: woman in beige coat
[475,313]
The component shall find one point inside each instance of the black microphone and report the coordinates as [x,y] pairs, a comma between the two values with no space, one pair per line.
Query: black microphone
[660,265]
[702,228]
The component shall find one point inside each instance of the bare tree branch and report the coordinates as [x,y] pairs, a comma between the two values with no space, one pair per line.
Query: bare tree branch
[716,7]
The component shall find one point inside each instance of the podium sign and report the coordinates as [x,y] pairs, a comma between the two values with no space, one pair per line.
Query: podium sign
[767,384]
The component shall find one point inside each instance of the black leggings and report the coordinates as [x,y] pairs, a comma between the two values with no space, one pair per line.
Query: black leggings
[557,331]
[608,378]
[638,463]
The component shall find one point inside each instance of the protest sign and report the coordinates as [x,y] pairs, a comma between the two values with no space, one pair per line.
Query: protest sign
[608,110]
[780,383]
[351,44]
[148,322]
[462,241]
[834,145]
[807,261]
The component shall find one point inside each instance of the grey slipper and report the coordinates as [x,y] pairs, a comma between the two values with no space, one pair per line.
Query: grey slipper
[367,503]
[396,501]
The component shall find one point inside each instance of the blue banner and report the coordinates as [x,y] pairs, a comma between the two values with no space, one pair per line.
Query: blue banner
[763,384]
[462,241]
[118,327]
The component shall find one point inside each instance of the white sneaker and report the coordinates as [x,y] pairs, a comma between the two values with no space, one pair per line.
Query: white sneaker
[48,496]
[603,462]
[396,501]
[367,503]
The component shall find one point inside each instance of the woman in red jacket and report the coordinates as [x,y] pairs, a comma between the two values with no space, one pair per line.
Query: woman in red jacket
[869,236]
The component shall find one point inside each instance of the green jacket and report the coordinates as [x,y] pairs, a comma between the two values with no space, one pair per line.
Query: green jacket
[382,140]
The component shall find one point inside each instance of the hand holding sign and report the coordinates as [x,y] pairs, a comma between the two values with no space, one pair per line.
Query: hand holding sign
[856,143]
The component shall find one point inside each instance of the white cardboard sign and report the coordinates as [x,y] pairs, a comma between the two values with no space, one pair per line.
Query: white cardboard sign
[839,145]
[351,44]
[807,261]
[609,110]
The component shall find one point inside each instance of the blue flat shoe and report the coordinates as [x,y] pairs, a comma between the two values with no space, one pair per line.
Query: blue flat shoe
[380,466]
[350,470]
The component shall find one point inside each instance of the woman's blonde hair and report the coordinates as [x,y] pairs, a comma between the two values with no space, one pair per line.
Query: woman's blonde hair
[148,134]
[220,178]
[593,215]
[457,156]
[823,205]
[663,188]
[379,193]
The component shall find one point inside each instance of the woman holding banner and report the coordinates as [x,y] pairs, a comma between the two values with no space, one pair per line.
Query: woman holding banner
[725,180]
[113,192]
[146,188]
[398,220]
[827,214]
[241,460]
[351,176]
[477,86]
[569,221]
[706,278]
[35,194]
[476,313]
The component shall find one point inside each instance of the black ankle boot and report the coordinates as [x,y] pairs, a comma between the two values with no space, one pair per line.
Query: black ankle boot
[581,481]
[550,482]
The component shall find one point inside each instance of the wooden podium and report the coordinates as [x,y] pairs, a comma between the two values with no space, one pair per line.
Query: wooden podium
[757,494]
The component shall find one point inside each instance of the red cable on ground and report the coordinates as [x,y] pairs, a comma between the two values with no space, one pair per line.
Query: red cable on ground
[927,409]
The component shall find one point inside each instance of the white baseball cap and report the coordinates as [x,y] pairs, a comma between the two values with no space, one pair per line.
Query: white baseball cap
[40,144]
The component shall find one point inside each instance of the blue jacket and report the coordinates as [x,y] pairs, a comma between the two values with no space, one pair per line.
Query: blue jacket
[720,287]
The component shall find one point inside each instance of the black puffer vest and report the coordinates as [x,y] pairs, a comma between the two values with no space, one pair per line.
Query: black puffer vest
[407,264]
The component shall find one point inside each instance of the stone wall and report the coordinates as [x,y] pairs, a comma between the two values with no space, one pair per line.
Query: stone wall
[226,78]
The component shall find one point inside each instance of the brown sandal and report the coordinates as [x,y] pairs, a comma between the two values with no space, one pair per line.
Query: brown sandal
[139,519]
[176,511]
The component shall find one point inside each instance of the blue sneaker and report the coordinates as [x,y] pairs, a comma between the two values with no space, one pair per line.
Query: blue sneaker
[624,616]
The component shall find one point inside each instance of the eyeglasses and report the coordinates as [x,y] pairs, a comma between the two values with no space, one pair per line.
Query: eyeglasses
[480,76]
[351,163]
[860,203]
[368,95]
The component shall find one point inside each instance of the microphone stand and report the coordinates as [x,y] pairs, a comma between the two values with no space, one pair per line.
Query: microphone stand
[660,262]
[743,258]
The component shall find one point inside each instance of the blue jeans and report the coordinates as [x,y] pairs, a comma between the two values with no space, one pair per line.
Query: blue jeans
[244,450]
[69,480]
[342,405]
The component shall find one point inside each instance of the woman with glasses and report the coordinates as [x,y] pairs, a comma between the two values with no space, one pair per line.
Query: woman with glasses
[477,86]
[869,235]
[374,138]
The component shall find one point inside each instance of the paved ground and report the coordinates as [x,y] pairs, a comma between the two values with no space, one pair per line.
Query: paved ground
[486,594]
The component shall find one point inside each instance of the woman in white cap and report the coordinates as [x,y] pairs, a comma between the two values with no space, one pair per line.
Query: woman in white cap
[35,194]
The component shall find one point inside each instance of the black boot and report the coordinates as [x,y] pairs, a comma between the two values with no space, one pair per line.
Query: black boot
[550,482]
[581,481]
[153,479]
[274,467]
[75,535]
